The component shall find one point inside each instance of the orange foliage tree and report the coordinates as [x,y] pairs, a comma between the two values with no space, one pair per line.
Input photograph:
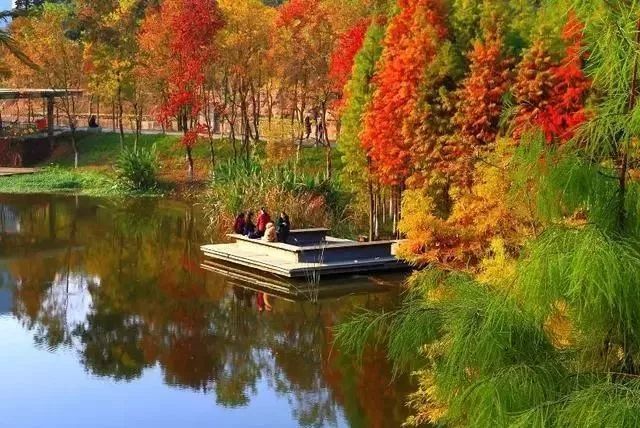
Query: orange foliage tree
[533,88]
[550,94]
[480,103]
[410,44]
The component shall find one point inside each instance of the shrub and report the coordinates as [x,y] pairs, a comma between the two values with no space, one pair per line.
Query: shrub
[137,169]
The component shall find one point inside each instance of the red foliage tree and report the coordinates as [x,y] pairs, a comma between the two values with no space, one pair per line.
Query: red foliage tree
[348,45]
[410,45]
[480,104]
[180,38]
[481,93]
[565,110]
[533,88]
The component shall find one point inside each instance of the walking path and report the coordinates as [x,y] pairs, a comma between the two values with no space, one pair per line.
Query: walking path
[6,172]
[307,143]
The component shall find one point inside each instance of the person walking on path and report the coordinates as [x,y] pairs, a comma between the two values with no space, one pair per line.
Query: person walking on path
[307,126]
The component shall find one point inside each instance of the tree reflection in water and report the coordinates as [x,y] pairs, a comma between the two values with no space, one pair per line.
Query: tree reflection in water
[120,284]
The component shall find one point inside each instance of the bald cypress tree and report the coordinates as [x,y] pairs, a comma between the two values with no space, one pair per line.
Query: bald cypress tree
[356,173]
[555,341]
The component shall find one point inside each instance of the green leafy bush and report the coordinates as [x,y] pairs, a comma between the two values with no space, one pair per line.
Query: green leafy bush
[137,169]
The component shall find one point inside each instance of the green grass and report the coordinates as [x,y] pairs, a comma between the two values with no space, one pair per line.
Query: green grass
[56,179]
[313,160]
[98,153]
[103,149]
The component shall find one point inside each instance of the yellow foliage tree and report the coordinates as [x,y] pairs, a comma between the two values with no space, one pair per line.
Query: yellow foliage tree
[478,217]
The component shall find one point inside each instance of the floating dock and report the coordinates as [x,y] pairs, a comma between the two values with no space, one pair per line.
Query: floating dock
[296,289]
[308,253]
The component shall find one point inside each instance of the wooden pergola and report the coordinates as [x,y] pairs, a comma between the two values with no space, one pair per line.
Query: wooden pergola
[48,94]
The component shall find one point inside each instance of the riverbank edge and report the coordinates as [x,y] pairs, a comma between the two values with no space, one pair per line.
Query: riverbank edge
[95,175]
[83,182]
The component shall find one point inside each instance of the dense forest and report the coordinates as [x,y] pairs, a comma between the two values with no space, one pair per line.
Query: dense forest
[498,138]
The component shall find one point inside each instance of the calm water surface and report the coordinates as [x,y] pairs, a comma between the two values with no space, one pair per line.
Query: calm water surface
[106,320]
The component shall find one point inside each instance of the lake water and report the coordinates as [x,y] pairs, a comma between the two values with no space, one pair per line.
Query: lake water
[107,320]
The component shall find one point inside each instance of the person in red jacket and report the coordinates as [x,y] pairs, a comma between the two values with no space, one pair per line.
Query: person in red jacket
[263,220]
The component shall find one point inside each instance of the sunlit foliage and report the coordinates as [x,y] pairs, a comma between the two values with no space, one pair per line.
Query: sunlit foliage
[540,331]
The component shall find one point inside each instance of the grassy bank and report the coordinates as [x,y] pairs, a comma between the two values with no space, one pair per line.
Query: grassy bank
[98,153]
[55,179]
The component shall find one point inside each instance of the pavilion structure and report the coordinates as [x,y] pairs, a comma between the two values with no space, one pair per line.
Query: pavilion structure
[49,95]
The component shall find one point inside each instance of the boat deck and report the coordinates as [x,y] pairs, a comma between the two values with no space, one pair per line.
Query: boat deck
[330,256]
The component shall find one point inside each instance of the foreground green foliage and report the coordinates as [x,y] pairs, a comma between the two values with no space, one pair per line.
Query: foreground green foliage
[137,169]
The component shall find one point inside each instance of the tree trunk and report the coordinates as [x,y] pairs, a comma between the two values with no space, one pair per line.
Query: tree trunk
[184,123]
[209,124]
[372,209]
[113,115]
[137,110]
[269,106]
[378,208]
[74,145]
[50,131]
[246,124]
[255,109]
[326,142]
[120,114]
[29,110]
[190,172]
[396,210]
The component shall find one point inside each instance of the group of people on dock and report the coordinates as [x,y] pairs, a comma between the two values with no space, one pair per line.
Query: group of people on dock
[264,228]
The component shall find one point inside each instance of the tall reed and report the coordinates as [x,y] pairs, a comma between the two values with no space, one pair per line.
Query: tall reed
[309,200]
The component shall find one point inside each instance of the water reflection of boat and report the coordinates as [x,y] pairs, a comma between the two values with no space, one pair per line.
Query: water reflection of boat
[295,289]
[308,252]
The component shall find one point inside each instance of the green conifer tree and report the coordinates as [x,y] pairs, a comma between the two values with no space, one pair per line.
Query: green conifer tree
[359,90]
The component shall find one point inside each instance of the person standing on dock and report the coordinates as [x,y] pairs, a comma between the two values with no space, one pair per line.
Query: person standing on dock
[263,220]
[283,227]
[249,227]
